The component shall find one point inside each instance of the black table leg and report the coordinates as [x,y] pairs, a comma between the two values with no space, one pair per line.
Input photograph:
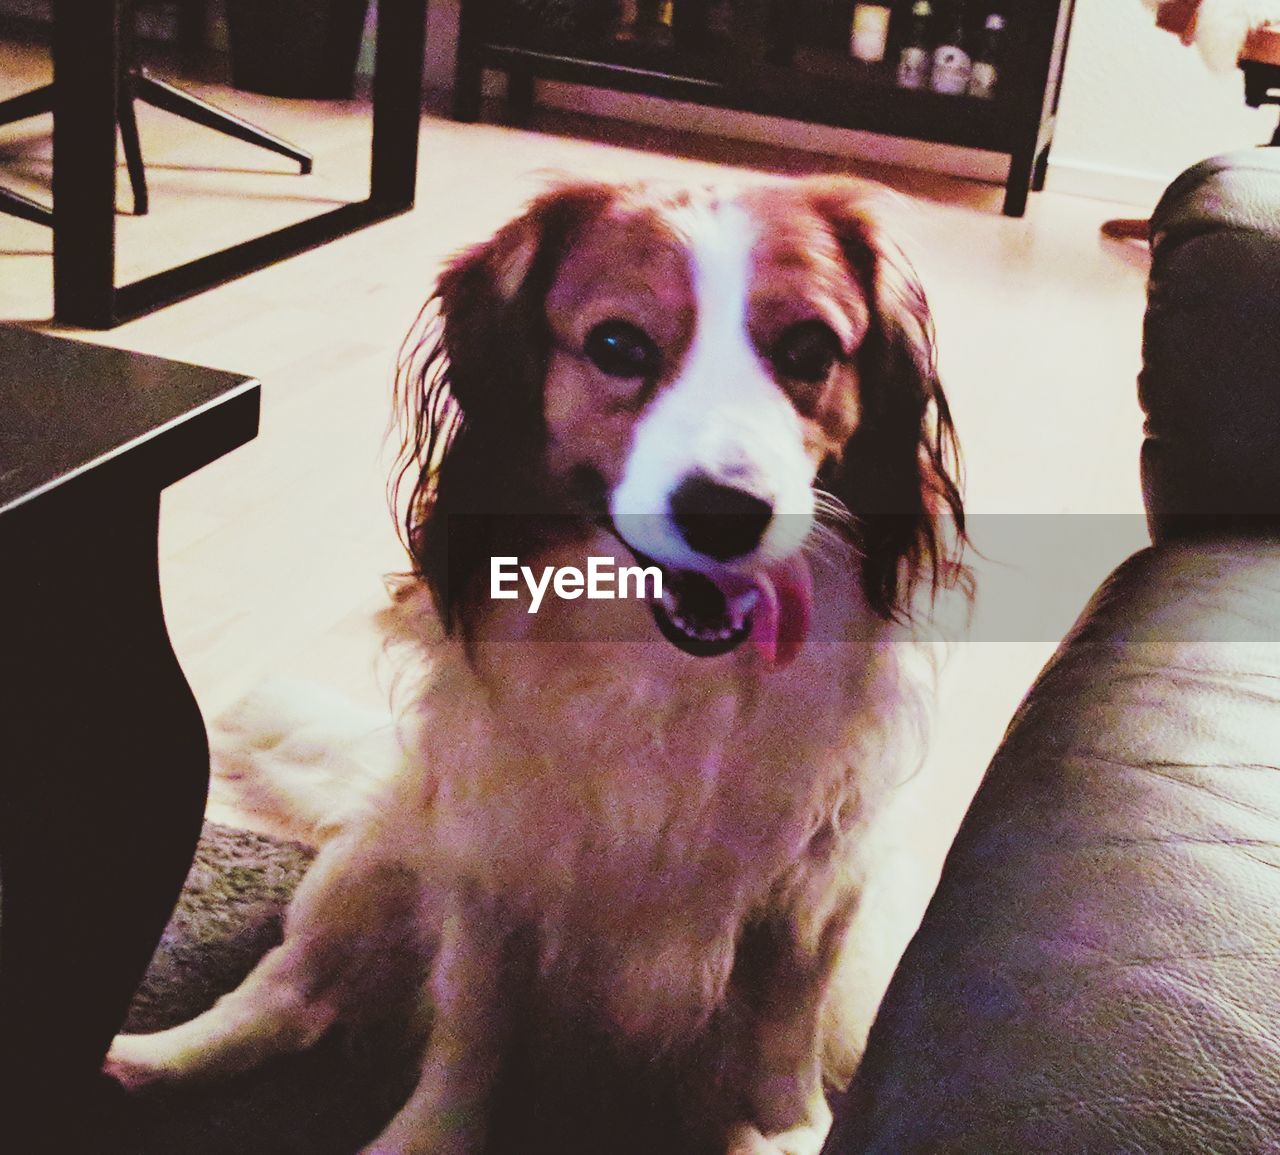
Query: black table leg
[468,76]
[1029,165]
[1018,186]
[397,104]
[86,94]
[102,789]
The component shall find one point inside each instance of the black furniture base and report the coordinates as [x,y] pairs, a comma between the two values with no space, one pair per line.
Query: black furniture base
[89,110]
[103,758]
[103,792]
[749,69]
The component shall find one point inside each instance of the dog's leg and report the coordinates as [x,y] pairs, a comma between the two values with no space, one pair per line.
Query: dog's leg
[271,1012]
[479,973]
[789,972]
[350,914]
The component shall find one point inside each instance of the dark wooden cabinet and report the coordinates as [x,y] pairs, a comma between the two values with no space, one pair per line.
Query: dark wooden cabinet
[780,58]
[104,763]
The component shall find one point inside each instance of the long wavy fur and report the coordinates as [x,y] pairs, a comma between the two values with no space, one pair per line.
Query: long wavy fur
[900,475]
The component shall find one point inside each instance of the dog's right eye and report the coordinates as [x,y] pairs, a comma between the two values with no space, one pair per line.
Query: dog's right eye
[620,349]
[806,352]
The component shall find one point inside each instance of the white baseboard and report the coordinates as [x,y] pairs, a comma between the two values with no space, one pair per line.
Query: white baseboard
[1105,182]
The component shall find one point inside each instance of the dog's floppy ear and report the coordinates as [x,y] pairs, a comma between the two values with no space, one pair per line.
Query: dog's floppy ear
[491,304]
[470,391]
[899,474]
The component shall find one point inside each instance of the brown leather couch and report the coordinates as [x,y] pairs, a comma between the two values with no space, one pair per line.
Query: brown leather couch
[1099,970]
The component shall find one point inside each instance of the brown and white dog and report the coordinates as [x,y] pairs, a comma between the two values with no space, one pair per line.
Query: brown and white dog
[632,835]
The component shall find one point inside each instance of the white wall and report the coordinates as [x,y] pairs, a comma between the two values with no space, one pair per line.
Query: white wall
[1137,108]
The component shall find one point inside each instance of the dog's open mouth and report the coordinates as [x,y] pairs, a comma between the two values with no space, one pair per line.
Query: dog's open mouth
[700,617]
[707,617]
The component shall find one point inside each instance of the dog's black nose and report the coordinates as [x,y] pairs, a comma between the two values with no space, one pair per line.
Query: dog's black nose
[719,520]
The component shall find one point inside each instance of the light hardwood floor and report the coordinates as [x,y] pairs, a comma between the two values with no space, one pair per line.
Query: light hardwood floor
[272,558]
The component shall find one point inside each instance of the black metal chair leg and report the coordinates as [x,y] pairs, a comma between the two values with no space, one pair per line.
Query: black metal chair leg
[174,100]
[133,153]
[33,103]
[19,206]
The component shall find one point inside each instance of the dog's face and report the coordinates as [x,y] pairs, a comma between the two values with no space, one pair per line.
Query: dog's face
[693,370]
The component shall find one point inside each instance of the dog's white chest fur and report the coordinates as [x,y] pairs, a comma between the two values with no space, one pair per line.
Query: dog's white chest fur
[638,808]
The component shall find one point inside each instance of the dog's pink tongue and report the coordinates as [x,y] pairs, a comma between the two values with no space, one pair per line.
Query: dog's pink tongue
[780,619]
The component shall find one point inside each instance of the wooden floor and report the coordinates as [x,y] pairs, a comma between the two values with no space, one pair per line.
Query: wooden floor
[273,557]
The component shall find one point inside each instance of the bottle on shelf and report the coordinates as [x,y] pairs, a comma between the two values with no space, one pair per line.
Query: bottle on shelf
[869,35]
[653,22]
[914,61]
[986,65]
[952,64]
[628,16]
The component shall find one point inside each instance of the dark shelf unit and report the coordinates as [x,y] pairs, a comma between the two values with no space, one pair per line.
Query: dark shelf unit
[814,80]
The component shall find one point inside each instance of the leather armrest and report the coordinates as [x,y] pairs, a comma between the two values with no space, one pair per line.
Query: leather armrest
[1098,969]
[1210,384]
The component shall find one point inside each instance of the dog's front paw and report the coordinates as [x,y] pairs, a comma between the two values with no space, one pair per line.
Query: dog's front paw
[748,1140]
[806,1139]
[802,1135]
[136,1063]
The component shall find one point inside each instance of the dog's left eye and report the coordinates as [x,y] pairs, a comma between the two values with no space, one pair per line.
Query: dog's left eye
[806,352]
[620,349]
